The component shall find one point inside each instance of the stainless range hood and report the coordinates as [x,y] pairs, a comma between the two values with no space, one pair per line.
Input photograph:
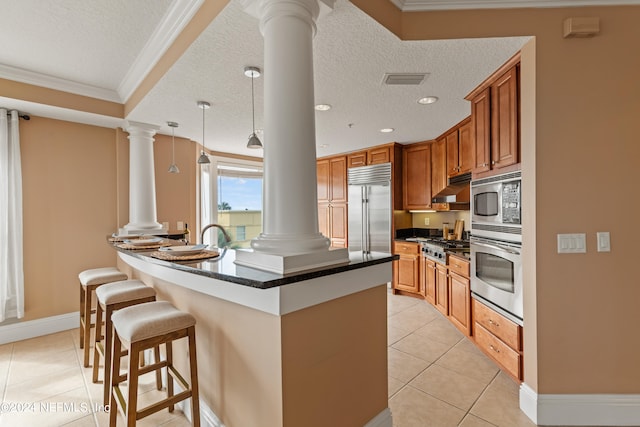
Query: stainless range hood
[456,192]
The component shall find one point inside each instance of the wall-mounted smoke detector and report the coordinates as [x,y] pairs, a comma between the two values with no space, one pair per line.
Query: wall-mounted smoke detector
[404,78]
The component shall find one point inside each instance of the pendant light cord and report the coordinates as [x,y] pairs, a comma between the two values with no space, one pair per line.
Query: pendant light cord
[253,108]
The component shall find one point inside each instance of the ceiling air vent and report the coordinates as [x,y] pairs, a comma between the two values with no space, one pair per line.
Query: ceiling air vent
[404,78]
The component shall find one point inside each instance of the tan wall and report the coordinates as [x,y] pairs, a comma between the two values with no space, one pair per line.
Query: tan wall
[75,192]
[69,195]
[580,151]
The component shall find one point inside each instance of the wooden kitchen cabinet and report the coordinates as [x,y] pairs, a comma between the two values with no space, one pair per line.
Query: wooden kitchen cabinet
[372,156]
[495,119]
[332,199]
[460,294]
[442,289]
[499,338]
[459,149]
[416,162]
[428,279]
[406,271]
[438,166]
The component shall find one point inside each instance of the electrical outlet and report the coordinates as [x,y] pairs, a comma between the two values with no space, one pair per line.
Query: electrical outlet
[180,225]
[426,221]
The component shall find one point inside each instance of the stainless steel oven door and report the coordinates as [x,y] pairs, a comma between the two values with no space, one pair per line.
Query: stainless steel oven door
[496,275]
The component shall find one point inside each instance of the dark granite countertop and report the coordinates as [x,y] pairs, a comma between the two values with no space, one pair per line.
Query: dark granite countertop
[224,268]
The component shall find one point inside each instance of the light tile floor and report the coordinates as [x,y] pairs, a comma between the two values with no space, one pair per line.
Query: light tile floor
[436,378]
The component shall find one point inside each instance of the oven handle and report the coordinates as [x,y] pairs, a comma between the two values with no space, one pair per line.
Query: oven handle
[498,247]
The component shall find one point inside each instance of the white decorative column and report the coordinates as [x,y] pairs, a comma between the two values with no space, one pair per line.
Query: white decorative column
[142,181]
[290,240]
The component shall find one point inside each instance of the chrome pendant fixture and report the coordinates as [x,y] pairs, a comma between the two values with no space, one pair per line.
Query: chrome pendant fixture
[254,141]
[203,159]
[173,168]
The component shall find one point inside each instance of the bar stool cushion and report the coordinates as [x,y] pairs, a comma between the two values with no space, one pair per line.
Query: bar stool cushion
[151,319]
[99,276]
[126,290]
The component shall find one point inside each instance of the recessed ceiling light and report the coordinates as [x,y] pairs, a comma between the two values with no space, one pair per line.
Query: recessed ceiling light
[323,107]
[387,130]
[427,100]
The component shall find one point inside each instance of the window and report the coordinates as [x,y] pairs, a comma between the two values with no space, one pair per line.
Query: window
[236,187]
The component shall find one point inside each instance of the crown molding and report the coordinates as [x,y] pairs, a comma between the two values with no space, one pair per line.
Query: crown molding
[50,82]
[426,5]
[172,24]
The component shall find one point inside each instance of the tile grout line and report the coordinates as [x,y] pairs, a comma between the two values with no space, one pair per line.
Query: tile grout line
[84,378]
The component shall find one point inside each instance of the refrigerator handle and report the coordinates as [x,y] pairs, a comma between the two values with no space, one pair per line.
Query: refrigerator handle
[365,211]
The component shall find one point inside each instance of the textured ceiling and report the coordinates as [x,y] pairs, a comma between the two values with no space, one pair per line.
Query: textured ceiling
[352,53]
[95,43]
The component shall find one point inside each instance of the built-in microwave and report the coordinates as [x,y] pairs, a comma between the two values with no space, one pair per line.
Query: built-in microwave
[496,207]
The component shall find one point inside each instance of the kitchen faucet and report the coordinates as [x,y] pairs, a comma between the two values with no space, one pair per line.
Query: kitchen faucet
[227,238]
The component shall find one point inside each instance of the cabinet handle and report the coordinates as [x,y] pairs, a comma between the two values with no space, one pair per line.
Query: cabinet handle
[494,349]
[493,162]
[491,322]
[484,165]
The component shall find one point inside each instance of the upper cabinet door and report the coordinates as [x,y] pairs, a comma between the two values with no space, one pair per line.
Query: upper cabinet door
[379,155]
[338,179]
[358,159]
[322,168]
[416,173]
[481,130]
[453,161]
[439,165]
[504,137]
[465,149]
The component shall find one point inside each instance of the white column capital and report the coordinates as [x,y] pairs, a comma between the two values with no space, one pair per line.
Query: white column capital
[307,10]
[140,129]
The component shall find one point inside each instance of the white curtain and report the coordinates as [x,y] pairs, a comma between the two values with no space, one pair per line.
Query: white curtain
[11,267]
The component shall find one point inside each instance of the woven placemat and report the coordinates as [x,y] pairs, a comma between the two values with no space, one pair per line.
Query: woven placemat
[114,239]
[141,247]
[170,257]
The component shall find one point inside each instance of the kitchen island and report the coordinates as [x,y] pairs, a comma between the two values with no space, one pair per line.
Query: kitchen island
[281,350]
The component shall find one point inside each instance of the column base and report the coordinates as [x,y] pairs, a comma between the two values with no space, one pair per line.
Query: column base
[291,263]
[147,228]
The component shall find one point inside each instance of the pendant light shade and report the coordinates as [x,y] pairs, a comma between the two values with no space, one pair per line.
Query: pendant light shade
[173,168]
[203,159]
[254,141]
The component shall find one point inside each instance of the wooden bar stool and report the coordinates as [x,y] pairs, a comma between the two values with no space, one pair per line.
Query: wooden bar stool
[109,298]
[141,327]
[89,282]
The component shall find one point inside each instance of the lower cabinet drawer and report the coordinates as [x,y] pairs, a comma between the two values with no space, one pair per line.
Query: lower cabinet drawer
[502,353]
[498,325]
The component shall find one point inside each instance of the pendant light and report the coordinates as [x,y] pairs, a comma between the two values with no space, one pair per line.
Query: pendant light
[203,159]
[254,141]
[173,168]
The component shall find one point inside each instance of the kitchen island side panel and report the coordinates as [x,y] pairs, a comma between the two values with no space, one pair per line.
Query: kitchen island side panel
[334,358]
[238,351]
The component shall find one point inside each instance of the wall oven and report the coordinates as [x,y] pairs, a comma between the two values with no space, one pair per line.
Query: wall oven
[496,276]
[496,207]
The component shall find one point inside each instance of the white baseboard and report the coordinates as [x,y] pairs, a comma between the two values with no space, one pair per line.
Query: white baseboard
[383,419]
[580,409]
[19,331]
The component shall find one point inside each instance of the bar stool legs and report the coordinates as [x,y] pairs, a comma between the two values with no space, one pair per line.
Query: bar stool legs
[142,327]
[90,280]
[110,298]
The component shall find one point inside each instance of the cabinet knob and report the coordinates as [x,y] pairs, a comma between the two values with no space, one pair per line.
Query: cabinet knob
[493,162]
[491,322]
[494,349]
[484,164]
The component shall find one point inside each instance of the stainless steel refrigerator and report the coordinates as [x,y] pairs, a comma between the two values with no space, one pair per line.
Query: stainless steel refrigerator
[370,208]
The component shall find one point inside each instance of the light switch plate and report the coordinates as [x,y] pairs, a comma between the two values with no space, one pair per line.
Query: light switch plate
[572,243]
[180,225]
[604,241]
[426,221]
